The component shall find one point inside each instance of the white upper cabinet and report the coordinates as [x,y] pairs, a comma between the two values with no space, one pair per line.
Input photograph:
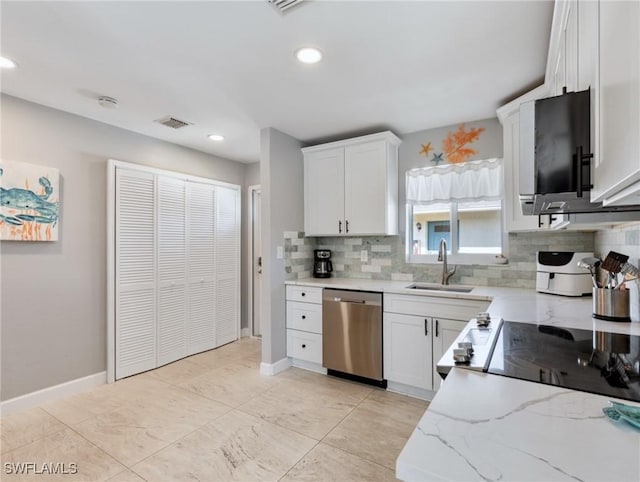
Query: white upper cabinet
[351,187]
[324,192]
[514,219]
[617,167]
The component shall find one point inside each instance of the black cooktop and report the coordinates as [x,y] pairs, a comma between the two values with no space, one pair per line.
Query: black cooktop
[590,361]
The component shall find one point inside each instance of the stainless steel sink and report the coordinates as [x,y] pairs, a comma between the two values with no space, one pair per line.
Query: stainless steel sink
[454,289]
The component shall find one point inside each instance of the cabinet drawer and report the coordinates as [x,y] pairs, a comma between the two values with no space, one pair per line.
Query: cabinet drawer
[305,294]
[304,316]
[451,308]
[304,346]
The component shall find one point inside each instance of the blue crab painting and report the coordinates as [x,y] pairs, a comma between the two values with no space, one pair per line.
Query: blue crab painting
[28,214]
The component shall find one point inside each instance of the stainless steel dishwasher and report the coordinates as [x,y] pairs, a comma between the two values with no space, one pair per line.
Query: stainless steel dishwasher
[352,334]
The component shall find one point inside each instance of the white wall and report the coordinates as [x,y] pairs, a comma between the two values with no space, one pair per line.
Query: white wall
[281,184]
[54,294]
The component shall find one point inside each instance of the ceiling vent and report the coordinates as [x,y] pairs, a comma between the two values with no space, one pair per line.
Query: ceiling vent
[173,122]
[283,5]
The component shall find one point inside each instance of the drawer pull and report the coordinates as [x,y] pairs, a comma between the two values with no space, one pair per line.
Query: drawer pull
[304,317]
[304,346]
[303,294]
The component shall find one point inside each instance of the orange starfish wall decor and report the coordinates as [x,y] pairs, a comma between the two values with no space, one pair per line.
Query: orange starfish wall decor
[455,144]
[426,149]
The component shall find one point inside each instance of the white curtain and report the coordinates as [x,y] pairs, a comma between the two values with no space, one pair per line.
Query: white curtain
[469,181]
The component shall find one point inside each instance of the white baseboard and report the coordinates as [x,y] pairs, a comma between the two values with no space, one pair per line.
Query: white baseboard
[244,333]
[403,389]
[274,368]
[307,365]
[50,394]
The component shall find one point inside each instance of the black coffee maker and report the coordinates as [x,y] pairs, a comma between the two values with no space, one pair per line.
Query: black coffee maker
[322,267]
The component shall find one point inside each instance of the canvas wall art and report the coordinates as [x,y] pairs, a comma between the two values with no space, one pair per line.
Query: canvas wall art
[29,202]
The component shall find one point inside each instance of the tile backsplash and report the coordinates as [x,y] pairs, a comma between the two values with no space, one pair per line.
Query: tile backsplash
[385,258]
[298,255]
[625,240]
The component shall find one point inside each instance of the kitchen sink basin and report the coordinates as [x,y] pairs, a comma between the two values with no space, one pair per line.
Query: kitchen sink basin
[454,289]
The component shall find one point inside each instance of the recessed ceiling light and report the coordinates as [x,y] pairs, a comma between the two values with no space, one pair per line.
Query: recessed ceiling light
[6,63]
[308,55]
[216,137]
[107,102]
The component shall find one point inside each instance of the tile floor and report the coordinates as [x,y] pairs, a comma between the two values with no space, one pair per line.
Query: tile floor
[211,417]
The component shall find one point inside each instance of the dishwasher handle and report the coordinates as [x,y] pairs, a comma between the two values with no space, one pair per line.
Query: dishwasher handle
[337,299]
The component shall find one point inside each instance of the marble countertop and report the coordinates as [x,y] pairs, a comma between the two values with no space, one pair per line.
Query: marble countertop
[512,304]
[487,427]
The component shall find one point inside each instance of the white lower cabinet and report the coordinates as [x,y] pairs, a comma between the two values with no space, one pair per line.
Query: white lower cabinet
[417,331]
[445,333]
[407,350]
[304,346]
[304,326]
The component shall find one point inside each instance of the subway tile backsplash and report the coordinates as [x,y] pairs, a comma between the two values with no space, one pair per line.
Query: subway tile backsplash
[385,258]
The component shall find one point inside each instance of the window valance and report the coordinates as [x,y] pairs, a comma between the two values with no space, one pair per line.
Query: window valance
[469,181]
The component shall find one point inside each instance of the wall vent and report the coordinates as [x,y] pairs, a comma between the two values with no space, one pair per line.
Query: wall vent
[173,122]
[283,5]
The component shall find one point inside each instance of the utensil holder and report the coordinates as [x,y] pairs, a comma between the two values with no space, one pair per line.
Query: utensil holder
[611,305]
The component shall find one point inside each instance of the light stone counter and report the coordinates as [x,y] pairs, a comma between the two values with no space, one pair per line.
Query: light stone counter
[512,304]
[488,427]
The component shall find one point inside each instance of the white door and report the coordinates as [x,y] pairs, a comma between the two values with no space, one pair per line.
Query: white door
[135,273]
[365,180]
[172,282]
[227,249]
[445,333]
[201,298]
[324,193]
[407,350]
[257,263]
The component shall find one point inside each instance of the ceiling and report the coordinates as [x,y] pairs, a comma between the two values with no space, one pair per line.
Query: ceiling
[229,67]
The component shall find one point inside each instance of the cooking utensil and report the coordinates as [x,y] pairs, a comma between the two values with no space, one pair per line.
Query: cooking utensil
[628,268]
[591,264]
[625,278]
[614,262]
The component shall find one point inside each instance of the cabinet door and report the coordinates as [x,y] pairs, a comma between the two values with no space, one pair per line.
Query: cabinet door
[514,219]
[201,328]
[365,176]
[588,68]
[227,249]
[618,165]
[571,47]
[172,282]
[407,350]
[445,333]
[135,273]
[324,193]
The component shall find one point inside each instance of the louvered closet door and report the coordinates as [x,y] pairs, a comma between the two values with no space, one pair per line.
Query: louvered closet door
[201,330]
[227,263]
[135,273]
[172,282]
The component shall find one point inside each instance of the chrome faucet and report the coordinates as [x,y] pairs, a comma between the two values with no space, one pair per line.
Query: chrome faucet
[442,256]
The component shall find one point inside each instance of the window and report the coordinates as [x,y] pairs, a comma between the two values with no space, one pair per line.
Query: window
[461,204]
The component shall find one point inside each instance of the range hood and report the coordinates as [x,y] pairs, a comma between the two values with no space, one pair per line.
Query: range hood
[555,159]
